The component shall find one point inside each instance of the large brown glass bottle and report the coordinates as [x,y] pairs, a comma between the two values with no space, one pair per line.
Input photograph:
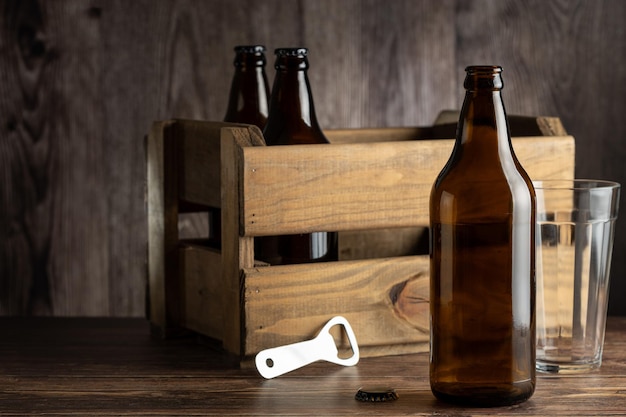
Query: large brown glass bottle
[292,121]
[482,296]
[248,103]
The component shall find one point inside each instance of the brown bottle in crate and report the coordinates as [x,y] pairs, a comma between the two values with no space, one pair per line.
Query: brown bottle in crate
[482,259]
[247,103]
[292,121]
[249,90]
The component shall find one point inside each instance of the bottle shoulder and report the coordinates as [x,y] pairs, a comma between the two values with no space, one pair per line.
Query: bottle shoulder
[505,182]
[285,128]
[462,199]
[293,135]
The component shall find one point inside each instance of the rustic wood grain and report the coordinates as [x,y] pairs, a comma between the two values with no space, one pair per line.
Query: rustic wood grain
[560,59]
[237,250]
[372,185]
[381,64]
[103,367]
[56,223]
[81,83]
[202,309]
[386,302]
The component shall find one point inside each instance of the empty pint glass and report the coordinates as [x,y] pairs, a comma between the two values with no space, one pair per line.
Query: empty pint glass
[575,224]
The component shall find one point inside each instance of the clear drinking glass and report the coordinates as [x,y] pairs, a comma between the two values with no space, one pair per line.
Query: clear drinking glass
[575,224]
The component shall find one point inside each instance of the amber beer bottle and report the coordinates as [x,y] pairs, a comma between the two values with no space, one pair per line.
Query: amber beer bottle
[247,103]
[292,121]
[482,262]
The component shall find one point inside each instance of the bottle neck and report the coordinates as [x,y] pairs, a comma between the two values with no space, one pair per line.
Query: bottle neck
[483,116]
[249,92]
[292,118]
[291,98]
[482,134]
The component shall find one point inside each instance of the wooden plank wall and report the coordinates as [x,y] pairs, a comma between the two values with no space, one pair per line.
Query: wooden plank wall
[81,82]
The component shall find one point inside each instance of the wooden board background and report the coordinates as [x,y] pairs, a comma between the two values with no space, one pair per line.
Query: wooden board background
[81,82]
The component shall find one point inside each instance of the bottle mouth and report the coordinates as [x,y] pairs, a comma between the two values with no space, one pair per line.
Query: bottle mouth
[250,49]
[483,77]
[291,52]
[483,69]
[253,55]
[291,58]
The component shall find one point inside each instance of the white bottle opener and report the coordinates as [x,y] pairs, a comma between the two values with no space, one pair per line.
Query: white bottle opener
[280,360]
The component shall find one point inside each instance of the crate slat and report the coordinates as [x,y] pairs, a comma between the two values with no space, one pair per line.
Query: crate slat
[301,189]
[388,302]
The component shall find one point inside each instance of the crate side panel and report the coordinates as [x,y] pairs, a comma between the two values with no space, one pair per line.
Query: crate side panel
[202,292]
[200,159]
[237,251]
[300,189]
[385,301]
[200,162]
[546,157]
[306,188]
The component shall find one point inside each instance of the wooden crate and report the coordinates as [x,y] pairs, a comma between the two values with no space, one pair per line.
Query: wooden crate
[371,185]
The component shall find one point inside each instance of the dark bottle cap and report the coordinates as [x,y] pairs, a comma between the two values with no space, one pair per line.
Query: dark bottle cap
[376,395]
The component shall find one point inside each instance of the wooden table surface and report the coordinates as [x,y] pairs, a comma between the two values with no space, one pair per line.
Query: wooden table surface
[94,367]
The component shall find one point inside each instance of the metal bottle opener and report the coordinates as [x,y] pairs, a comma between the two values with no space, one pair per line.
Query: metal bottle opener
[279,360]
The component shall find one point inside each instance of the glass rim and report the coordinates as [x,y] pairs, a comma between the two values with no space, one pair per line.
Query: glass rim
[575,184]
